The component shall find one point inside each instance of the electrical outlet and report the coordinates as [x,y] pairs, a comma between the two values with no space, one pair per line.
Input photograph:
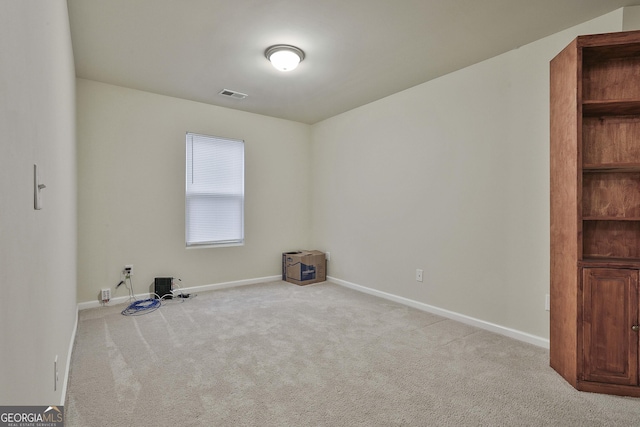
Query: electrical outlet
[419,274]
[128,270]
[547,302]
[106,295]
[327,256]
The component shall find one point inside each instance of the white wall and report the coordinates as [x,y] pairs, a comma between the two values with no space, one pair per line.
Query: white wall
[131,150]
[37,248]
[452,177]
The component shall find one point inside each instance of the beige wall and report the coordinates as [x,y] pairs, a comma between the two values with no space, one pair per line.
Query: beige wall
[131,154]
[37,248]
[631,18]
[452,177]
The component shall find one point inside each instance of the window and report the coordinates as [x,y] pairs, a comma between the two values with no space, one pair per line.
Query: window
[214,196]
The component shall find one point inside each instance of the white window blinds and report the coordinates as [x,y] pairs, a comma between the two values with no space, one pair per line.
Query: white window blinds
[214,191]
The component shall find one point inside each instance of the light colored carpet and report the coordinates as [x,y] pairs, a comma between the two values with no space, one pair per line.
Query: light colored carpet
[277,354]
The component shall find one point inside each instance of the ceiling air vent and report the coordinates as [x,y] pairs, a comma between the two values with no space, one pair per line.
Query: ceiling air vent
[233,94]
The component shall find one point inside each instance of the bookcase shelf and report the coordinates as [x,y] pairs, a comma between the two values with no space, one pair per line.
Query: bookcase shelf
[611,167]
[610,218]
[613,107]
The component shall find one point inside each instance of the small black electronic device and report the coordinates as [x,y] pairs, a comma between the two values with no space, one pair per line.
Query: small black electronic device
[162,287]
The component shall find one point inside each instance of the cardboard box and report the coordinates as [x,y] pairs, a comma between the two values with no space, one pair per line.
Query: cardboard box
[284,262]
[304,267]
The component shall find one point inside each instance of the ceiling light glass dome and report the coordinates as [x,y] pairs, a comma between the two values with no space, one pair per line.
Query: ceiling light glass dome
[284,57]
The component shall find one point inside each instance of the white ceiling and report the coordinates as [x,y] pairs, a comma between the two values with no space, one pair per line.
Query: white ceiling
[357,51]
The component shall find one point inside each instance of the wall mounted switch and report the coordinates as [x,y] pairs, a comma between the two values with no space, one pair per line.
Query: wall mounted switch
[37,188]
[56,376]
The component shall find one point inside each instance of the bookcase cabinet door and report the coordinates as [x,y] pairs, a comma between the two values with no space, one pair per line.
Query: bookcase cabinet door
[609,313]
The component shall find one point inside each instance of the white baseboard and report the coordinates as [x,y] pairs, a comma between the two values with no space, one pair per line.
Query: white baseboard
[231,284]
[114,301]
[68,366]
[492,327]
[193,289]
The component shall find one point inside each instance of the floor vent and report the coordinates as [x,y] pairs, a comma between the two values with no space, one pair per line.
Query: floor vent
[233,94]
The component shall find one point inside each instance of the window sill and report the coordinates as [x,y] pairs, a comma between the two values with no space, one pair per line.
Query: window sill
[209,246]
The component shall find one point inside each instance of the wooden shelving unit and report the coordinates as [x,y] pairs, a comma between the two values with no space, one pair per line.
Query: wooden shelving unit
[595,213]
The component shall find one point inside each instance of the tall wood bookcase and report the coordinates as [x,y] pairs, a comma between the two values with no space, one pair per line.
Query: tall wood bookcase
[595,213]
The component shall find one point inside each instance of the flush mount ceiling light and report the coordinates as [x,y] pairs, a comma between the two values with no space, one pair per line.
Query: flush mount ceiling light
[284,57]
